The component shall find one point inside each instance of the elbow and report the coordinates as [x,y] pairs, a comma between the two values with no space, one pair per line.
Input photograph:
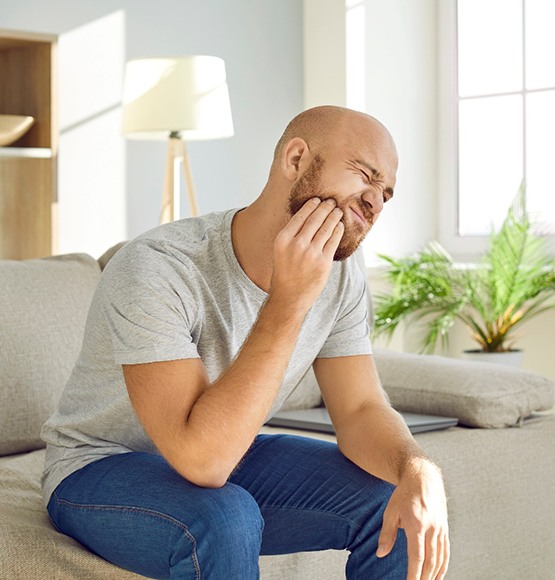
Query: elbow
[202,462]
[202,473]
[205,479]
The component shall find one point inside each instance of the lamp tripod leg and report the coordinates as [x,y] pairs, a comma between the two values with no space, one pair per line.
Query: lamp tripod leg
[189,181]
[167,213]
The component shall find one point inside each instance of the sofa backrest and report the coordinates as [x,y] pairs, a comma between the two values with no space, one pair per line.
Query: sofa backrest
[43,309]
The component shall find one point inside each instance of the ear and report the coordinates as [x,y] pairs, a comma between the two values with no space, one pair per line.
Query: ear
[296,154]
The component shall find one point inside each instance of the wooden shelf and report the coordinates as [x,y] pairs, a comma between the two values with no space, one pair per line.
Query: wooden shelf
[28,184]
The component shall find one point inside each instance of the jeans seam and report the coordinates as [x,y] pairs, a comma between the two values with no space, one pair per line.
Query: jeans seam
[320,511]
[351,522]
[142,511]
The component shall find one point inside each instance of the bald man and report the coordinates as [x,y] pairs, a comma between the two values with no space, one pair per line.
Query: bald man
[197,333]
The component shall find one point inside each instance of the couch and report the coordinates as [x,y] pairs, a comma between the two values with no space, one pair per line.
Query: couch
[498,463]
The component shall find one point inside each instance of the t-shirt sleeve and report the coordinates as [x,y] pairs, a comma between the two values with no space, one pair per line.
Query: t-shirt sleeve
[350,334]
[148,307]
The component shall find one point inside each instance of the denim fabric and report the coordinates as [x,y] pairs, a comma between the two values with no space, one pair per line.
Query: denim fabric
[288,494]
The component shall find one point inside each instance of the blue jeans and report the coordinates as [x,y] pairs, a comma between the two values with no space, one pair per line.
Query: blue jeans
[288,494]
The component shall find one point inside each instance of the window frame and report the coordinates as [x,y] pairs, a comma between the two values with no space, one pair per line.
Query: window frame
[466,248]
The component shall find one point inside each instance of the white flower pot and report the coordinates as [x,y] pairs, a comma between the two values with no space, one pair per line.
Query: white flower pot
[511,358]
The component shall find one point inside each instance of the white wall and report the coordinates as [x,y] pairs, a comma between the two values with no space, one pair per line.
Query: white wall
[402,90]
[399,66]
[110,188]
[324,53]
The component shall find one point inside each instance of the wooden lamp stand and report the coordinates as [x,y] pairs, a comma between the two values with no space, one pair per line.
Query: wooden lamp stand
[177,156]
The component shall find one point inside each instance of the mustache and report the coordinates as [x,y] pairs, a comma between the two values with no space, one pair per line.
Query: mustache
[367,213]
[362,208]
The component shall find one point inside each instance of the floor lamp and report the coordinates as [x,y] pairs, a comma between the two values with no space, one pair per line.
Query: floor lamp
[178,99]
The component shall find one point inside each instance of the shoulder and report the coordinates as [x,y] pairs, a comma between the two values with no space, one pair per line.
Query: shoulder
[170,247]
[349,274]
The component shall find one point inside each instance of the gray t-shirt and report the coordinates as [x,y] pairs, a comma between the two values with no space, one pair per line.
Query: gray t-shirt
[178,292]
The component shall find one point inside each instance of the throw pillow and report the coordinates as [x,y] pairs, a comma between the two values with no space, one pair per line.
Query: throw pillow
[478,394]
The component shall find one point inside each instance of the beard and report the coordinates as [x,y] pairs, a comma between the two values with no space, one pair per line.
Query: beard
[310,185]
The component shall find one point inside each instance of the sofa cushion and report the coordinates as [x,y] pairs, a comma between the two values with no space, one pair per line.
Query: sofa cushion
[109,254]
[305,395]
[30,547]
[478,394]
[43,308]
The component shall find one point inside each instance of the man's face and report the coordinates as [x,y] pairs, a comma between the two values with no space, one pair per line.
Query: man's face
[356,226]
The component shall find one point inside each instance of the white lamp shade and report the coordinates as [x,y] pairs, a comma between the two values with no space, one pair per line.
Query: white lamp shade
[187,94]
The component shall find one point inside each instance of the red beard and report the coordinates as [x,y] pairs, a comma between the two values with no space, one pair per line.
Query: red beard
[310,185]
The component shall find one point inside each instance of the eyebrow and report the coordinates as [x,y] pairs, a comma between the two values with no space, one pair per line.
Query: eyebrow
[377,174]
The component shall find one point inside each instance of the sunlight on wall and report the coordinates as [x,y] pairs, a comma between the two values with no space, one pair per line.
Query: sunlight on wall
[355,53]
[91,180]
[401,92]
[324,53]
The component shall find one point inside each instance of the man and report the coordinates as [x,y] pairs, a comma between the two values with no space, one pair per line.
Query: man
[197,333]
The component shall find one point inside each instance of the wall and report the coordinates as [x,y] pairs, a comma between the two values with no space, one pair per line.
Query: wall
[110,188]
[400,67]
[401,91]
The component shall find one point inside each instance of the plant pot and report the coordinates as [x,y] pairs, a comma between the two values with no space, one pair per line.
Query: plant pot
[511,358]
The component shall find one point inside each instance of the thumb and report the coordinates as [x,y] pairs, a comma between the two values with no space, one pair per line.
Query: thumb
[388,535]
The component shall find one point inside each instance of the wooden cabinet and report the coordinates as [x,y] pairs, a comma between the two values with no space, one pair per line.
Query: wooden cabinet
[28,191]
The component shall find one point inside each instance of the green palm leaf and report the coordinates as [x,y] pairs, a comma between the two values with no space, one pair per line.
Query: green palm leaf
[513,282]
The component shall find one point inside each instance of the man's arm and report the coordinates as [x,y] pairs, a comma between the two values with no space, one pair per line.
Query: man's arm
[204,429]
[375,437]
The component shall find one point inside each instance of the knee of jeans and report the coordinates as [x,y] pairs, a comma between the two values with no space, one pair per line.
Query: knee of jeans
[367,508]
[382,494]
[235,519]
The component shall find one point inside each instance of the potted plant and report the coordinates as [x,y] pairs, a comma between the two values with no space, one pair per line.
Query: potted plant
[512,283]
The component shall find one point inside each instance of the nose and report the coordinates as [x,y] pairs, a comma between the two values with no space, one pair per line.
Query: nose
[374,199]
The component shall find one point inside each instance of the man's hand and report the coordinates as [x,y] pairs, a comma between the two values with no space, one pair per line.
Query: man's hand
[304,250]
[202,428]
[418,505]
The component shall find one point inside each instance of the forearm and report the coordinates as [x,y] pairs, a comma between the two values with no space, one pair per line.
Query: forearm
[374,437]
[378,441]
[204,429]
[229,413]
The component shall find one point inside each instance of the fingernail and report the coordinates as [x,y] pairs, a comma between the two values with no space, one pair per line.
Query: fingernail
[381,551]
[331,201]
[316,200]
[338,211]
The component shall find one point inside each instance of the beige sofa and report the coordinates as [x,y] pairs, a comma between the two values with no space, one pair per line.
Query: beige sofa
[500,480]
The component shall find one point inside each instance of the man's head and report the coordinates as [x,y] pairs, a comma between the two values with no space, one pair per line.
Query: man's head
[332,152]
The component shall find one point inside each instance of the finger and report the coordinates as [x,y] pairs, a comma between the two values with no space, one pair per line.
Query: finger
[430,556]
[439,556]
[324,233]
[333,243]
[416,552]
[388,534]
[446,556]
[298,220]
[443,555]
[316,220]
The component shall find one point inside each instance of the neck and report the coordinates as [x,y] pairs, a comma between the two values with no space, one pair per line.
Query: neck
[253,233]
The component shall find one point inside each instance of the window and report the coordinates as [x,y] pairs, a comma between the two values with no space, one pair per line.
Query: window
[503,113]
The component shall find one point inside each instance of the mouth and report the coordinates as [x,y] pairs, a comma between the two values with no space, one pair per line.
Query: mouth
[359,217]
